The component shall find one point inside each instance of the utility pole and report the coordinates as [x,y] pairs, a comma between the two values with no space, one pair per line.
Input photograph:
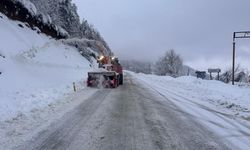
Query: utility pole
[233,58]
[241,34]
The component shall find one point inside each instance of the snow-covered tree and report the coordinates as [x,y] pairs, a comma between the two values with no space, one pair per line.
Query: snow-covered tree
[63,13]
[160,67]
[240,75]
[170,64]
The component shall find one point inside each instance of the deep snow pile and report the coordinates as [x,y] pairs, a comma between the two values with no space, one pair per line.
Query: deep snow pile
[223,108]
[35,70]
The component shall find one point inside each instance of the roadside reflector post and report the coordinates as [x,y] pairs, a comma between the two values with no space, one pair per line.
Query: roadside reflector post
[74,86]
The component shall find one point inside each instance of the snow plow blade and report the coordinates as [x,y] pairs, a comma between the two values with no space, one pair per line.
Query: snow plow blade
[106,79]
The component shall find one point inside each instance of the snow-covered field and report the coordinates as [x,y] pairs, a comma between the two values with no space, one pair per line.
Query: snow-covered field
[35,69]
[222,107]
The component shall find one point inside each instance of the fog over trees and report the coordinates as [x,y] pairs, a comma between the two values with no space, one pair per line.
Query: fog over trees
[170,64]
[137,66]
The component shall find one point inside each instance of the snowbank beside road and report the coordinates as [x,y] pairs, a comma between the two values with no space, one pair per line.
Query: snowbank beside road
[35,69]
[235,98]
[223,108]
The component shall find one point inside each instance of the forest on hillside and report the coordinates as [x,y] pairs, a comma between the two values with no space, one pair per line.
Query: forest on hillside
[58,19]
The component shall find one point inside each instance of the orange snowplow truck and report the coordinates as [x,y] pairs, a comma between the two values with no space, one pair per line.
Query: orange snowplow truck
[109,74]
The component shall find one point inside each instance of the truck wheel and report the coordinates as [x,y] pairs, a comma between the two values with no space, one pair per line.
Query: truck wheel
[121,79]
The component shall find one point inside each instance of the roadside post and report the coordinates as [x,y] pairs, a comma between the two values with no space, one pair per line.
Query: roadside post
[74,86]
[241,35]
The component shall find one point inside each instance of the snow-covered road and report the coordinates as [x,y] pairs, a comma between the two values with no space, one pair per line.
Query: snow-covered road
[132,116]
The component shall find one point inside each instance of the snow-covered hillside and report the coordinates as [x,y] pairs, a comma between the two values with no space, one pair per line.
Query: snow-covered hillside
[35,69]
[222,107]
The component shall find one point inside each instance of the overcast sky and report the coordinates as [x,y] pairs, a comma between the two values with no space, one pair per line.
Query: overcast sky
[199,30]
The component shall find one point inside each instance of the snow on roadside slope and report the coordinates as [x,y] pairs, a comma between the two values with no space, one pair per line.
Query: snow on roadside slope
[233,98]
[36,70]
[221,107]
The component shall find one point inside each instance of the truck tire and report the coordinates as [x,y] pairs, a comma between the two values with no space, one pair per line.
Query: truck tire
[121,79]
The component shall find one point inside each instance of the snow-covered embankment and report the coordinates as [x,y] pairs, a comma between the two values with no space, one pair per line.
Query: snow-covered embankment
[35,69]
